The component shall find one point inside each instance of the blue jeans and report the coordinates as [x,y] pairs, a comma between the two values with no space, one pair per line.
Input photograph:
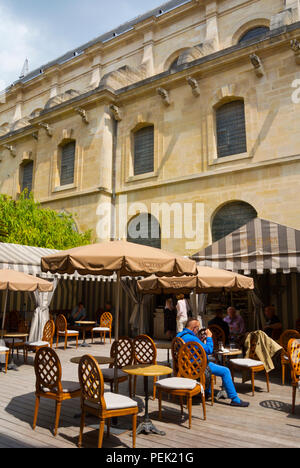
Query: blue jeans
[224,373]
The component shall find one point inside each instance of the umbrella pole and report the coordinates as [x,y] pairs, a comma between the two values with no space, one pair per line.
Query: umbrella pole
[194,304]
[4,313]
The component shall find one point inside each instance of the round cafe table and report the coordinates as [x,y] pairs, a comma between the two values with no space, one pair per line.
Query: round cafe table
[84,326]
[102,360]
[14,336]
[147,371]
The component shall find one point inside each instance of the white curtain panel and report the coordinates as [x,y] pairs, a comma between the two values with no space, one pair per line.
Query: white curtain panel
[41,313]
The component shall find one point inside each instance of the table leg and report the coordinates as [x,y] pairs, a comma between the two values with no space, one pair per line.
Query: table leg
[12,365]
[147,426]
[84,344]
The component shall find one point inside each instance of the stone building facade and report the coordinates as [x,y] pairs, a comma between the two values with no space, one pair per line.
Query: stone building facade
[189,112]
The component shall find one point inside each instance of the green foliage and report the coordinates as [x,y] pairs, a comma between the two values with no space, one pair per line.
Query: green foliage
[26,223]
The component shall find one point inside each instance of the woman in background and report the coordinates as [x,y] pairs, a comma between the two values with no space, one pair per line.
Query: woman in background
[170,319]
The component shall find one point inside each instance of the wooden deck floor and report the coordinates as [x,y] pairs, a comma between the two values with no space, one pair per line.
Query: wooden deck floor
[266,423]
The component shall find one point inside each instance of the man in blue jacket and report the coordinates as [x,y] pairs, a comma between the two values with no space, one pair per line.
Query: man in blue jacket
[189,334]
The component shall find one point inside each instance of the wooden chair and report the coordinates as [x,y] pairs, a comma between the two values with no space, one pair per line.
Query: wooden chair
[253,364]
[192,363]
[144,352]
[49,383]
[47,339]
[105,326]
[176,345]
[284,341]
[218,336]
[6,352]
[124,358]
[62,330]
[294,357]
[20,326]
[102,405]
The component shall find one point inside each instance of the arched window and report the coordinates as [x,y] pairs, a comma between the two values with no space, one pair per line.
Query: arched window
[67,163]
[231,217]
[144,229]
[231,129]
[144,150]
[254,33]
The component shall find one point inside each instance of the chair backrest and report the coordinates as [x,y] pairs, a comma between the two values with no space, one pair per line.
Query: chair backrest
[218,335]
[61,323]
[106,320]
[176,345]
[294,357]
[48,371]
[253,343]
[287,336]
[145,351]
[125,352]
[276,334]
[48,332]
[91,381]
[192,361]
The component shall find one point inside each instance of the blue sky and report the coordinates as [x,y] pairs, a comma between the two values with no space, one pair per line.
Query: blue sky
[41,30]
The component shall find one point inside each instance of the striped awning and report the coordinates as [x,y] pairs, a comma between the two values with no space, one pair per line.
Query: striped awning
[28,260]
[260,246]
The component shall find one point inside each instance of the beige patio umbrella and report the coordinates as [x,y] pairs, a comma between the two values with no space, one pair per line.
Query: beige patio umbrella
[11,280]
[121,257]
[207,280]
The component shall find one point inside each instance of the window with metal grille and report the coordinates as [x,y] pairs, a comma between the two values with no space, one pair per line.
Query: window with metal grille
[254,33]
[144,150]
[231,217]
[231,129]
[67,163]
[27,177]
[144,229]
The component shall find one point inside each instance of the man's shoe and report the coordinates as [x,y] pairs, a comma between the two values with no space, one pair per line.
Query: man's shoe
[242,404]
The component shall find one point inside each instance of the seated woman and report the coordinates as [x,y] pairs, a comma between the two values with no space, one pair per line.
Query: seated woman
[189,334]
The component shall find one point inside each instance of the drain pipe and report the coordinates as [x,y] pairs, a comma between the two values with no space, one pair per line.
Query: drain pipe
[116,118]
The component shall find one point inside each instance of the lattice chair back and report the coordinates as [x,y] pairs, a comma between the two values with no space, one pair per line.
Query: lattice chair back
[48,332]
[218,335]
[106,320]
[61,323]
[177,343]
[145,351]
[48,371]
[192,362]
[91,381]
[287,336]
[125,352]
[294,356]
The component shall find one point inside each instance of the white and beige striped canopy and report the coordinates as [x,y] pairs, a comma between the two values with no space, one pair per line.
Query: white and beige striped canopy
[260,246]
[27,260]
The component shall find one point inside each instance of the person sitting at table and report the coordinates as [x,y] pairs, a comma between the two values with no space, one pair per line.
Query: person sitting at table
[78,314]
[236,325]
[219,320]
[189,334]
[273,325]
